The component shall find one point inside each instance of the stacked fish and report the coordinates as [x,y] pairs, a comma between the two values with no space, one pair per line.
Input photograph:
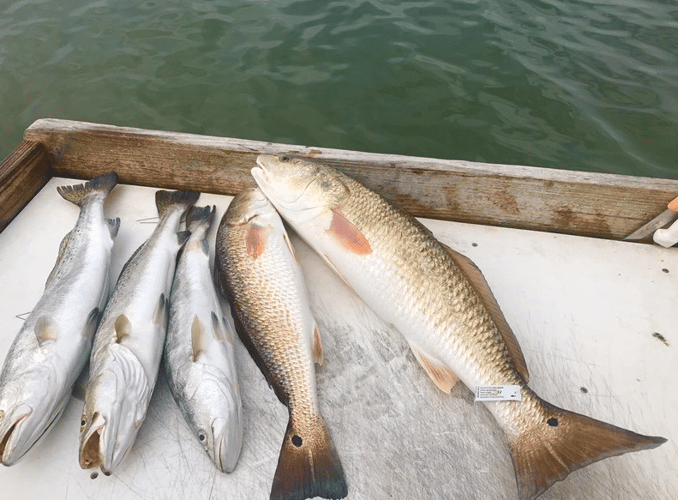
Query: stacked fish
[438,300]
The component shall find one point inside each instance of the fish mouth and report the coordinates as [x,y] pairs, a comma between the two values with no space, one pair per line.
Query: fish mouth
[90,451]
[261,176]
[12,441]
[225,454]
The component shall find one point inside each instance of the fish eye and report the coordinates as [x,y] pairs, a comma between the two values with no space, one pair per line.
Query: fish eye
[284,158]
[83,422]
[202,436]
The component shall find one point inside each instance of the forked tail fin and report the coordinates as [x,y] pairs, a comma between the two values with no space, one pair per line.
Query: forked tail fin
[563,442]
[308,465]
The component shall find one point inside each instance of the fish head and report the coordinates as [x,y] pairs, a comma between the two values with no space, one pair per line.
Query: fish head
[248,205]
[300,188]
[26,415]
[109,423]
[214,413]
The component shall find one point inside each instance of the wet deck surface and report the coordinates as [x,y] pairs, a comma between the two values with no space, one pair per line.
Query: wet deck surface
[597,321]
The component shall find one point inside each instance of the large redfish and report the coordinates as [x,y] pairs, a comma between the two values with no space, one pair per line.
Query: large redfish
[442,305]
[258,272]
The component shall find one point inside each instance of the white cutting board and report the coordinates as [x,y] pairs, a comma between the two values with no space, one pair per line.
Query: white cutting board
[590,316]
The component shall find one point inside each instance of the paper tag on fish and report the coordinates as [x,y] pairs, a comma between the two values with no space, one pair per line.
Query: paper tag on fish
[498,393]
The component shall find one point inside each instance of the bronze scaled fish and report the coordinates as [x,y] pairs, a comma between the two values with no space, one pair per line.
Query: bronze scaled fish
[258,272]
[440,302]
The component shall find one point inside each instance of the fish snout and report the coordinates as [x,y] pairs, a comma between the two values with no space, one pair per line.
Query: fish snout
[226,444]
[15,436]
[90,442]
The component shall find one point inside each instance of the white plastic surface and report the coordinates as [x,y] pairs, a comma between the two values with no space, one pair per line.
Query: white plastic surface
[597,321]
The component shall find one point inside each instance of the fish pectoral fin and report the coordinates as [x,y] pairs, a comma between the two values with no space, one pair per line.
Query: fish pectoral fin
[123,328]
[45,330]
[475,277]
[317,346]
[256,239]
[441,375]
[348,234]
[198,340]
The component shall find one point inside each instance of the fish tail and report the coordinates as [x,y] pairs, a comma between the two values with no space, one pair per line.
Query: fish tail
[561,441]
[309,465]
[167,201]
[77,193]
[199,219]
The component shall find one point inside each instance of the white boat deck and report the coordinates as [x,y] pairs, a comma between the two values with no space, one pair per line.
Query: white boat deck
[597,321]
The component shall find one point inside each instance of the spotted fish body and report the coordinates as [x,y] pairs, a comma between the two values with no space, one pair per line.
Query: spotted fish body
[129,341]
[52,347]
[258,272]
[199,350]
[442,305]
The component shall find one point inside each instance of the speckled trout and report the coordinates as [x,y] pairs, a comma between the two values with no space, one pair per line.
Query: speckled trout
[443,306]
[52,347]
[199,350]
[129,341]
[258,272]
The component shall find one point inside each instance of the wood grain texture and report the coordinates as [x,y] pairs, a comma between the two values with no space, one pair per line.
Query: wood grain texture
[22,174]
[587,204]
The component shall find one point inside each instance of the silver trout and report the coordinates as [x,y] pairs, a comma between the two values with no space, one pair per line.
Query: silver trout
[199,350]
[129,341]
[258,272]
[441,303]
[52,347]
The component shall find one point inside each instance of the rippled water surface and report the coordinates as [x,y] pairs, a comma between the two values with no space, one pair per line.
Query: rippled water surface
[576,84]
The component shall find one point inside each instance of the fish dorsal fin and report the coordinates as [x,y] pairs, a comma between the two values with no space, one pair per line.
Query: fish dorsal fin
[317,346]
[217,328]
[256,239]
[480,285]
[123,328]
[198,340]
[348,235]
[160,315]
[60,257]
[441,375]
[182,237]
[45,330]
[113,226]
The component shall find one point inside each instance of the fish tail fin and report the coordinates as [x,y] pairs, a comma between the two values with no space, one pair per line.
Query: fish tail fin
[199,220]
[309,465]
[77,193]
[167,201]
[561,441]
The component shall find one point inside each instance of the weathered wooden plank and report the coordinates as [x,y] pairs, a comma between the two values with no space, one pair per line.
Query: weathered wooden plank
[22,174]
[590,204]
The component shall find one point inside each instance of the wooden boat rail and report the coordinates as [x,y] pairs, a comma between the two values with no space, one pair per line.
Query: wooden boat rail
[579,203]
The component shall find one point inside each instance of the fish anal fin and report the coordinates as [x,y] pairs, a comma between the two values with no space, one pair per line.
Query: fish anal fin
[256,239]
[45,330]
[348,234]
[198,340]
[440,374]
[123,328]
[475,277]
[547,450]
[317,346]
[113,226]
[309,465]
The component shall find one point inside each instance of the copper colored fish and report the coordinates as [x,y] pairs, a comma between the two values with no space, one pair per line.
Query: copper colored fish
[440,302]
[258,272]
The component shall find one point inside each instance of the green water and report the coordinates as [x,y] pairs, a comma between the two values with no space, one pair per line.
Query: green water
[576,84]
